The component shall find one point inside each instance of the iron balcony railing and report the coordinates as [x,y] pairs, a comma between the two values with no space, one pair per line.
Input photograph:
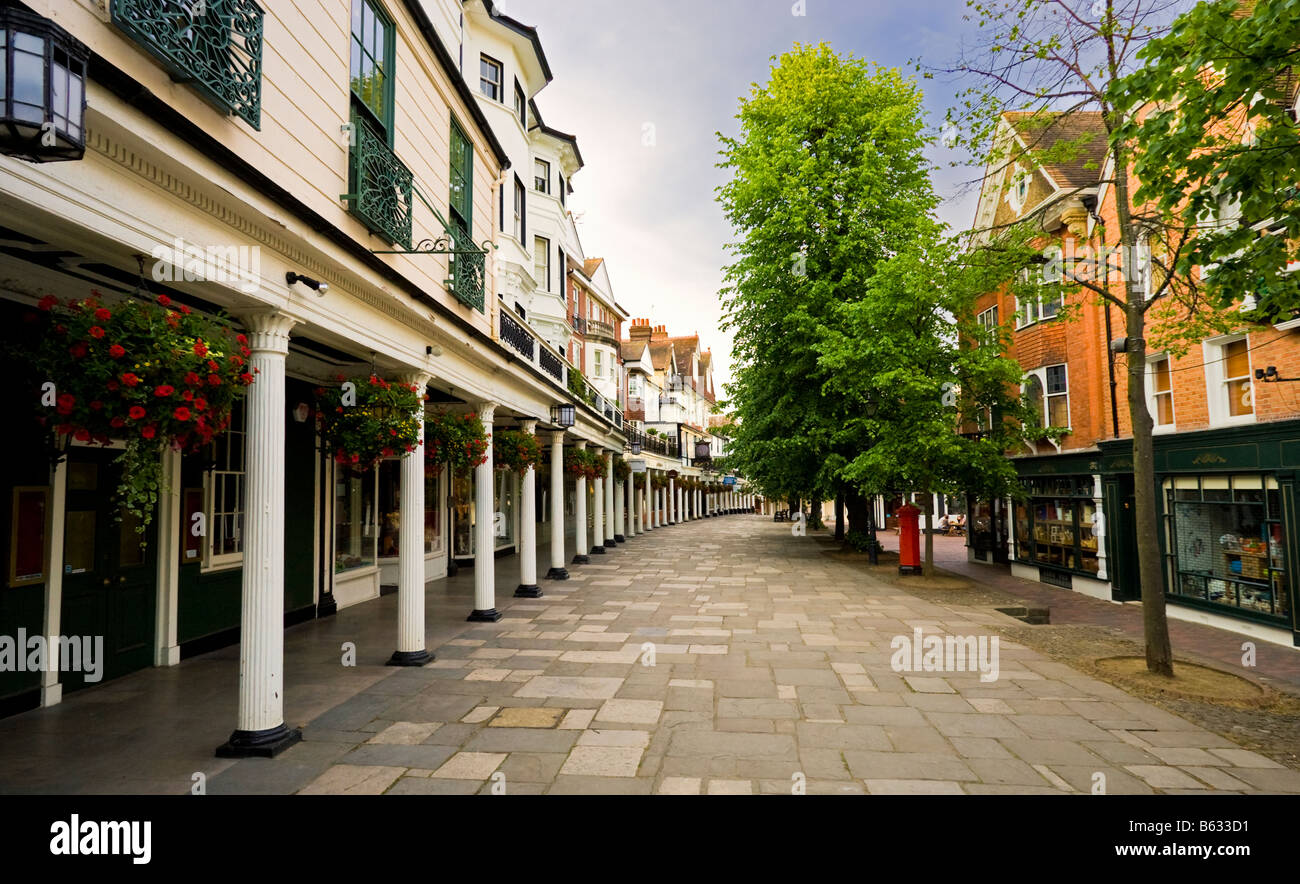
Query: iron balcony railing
[379,185]
[467,266]
[551,364]
[515,336]
[579,324]
[214,45]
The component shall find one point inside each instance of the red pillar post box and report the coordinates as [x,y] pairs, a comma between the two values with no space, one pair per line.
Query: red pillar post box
[909,539]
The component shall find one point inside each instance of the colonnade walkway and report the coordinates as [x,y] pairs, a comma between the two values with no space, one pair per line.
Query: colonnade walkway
[719,656]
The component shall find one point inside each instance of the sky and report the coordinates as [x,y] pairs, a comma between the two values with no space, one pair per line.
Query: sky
[647,85]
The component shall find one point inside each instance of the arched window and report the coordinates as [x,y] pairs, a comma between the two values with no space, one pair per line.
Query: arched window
[1034,396]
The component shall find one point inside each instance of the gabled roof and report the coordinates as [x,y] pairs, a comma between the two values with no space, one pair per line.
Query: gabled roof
[661,355]
[632,351]
[1040,132]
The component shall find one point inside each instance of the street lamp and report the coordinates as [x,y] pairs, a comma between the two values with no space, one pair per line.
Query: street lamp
[562,415]
[43,76]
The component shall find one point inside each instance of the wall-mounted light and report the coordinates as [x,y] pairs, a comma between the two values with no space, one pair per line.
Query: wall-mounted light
[433,350]
[315,285]
[562,415]
[302,412]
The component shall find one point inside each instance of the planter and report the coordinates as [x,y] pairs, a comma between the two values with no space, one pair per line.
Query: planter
[363,420]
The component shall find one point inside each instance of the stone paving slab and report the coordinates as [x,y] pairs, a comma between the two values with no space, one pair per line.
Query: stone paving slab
[742,662]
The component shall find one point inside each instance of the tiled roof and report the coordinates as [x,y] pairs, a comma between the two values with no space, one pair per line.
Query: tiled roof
[1042,131]
[591,265]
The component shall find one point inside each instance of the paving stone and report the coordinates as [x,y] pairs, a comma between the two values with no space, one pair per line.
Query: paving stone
[630,711]
[730,787]
[470,765]
[573,687]
[405,733]
[527,716]
[907,766]
[602,761]
[912,787]
[679,786]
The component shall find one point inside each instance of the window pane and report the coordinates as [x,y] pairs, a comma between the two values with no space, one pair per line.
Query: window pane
[1160,376]
[1241,398]
[79,541]
[354,521]
[1164,409]
[1059,409]
[1236,360]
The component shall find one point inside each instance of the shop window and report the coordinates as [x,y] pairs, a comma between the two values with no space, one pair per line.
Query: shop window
[1224,543]
[465,515]
[355,528]
[28,538]
[225,495]
[1054,525]
[432,510]
[390,507]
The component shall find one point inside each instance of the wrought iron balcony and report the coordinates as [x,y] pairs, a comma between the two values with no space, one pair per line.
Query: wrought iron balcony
[551,364]
[515,336]
[579,324]
[380,188]
[467,266]
[214,45]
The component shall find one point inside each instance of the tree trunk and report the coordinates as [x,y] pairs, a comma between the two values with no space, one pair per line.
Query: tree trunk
[1155,622]
[928,508]
[839,517]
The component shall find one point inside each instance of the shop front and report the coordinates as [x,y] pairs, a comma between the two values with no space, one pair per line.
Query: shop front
[464,513]
[1058,525]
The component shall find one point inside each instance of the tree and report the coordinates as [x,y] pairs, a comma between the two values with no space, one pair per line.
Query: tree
[828,181]
[1221,146]
[1049,58]
[913,361]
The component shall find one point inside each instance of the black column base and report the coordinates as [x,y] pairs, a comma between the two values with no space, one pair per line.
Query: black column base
[491,615]
[259,744]
[410,658]
[557,574]
[582,560]
[528,592]
[327,606]
[619,538]
[598,550]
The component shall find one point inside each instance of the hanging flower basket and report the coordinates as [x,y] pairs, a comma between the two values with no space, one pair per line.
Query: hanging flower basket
[458,439]
[622,470]
[515,450]
[362,420]
[582,463]
[151,374]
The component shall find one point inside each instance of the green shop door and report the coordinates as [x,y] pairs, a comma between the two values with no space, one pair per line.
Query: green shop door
[108,578]
[1121,526]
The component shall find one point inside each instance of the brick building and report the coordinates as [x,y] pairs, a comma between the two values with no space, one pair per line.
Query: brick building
[1227,442]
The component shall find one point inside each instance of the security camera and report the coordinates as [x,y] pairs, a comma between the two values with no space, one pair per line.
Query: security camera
[320,288]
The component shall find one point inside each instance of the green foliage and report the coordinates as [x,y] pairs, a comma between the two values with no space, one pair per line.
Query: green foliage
[1221,135]
[584,463]
[580,388]
[828,181]
[862,541]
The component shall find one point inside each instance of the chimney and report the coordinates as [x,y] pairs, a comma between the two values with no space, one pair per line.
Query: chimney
[639,330]
[660,333]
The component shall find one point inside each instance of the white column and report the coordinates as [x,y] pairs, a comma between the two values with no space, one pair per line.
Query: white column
[557,571]
[261,729]
[620,520]
[649,500]
[629,488]
[598,515]
[485,610]
[672,501]
[411,649]
[528,528]
[580,514]
[611,522]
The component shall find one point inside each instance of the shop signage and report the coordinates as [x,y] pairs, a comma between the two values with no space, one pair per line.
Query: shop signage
[637,466]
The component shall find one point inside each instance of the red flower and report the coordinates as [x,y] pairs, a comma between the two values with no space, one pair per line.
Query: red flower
[245,350]
[130,380]
[78,349]
[246,378]
[388,452]
[236,359]
[96,332]
[47,303]
[192,379]
[136,412]
[164,300]
[201,404]
[172,321]
[181,414]
[185,310]
[117,422]
[149,431]
[111,386]
[214,380]
[66,401]
[96,405]
[356,458]
[103,314]
[241,339]
[117,351]
[163,391]
[188,395]
[82,435]
[212,366]
[200,349]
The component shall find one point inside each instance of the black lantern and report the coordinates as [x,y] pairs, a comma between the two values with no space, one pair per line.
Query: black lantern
[44,89]
[702,450]
[634,447]
[562,415]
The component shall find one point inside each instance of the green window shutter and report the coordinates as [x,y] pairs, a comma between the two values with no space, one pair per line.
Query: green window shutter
[462,181]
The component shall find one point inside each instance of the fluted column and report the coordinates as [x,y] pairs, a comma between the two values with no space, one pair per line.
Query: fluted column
[580,514]
[629,488]
[598,515]
[620,521]
[611,504]
[672,501]
[485,610]
[411,649]
[261,730]
[528,588]
[649,501]
[557,570]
